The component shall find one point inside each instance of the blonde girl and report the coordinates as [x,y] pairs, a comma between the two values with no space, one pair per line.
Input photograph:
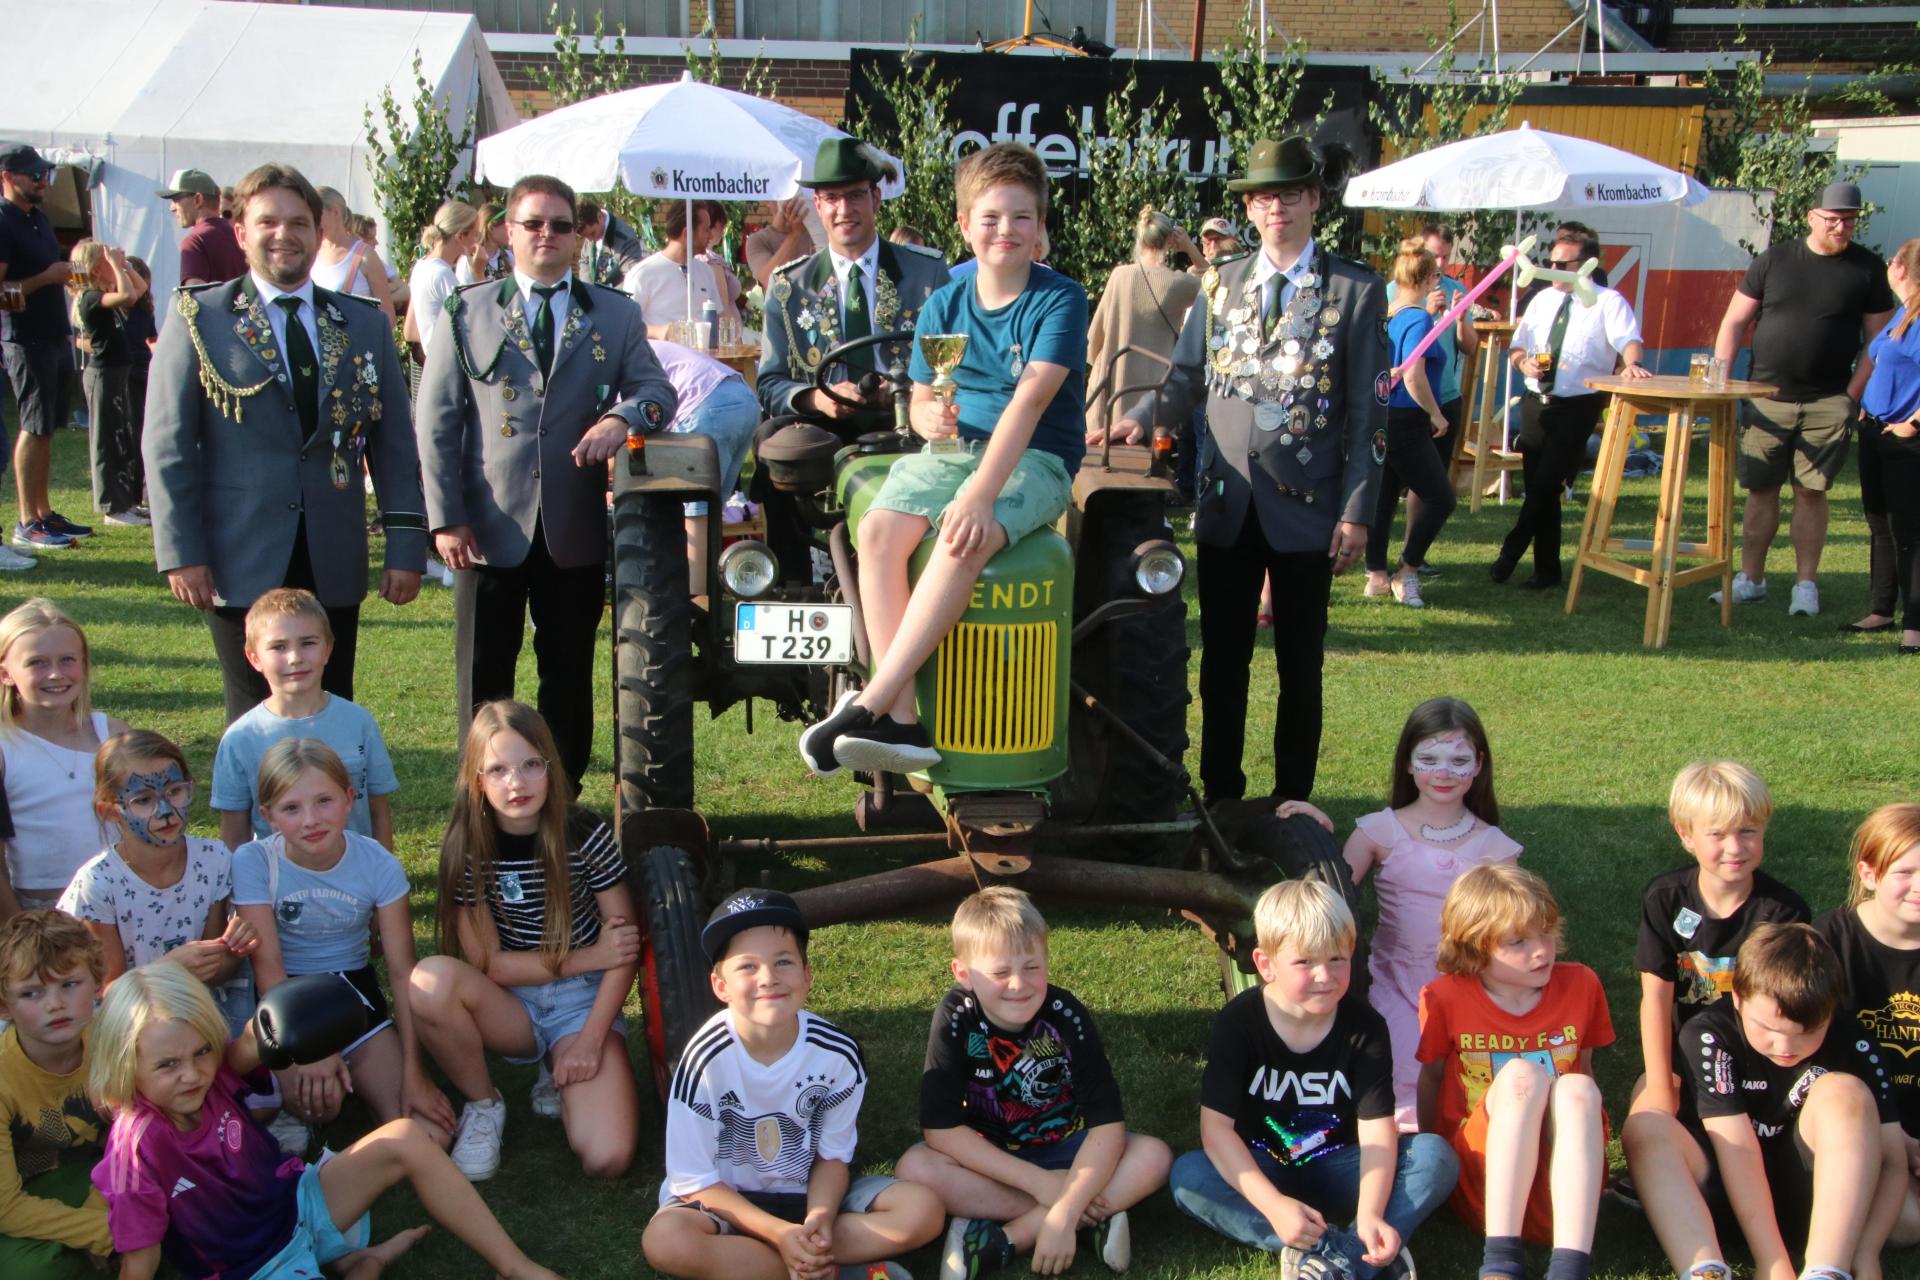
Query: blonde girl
[48,735]
[452,237]
[310,890]
[155,892]
[1441,821]
[1414,424]
[189,1177]
[103,288]
[538,949]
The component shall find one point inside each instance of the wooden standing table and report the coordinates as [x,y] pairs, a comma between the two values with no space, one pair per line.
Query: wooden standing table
[743,359]
[1480,451]
[1680,401]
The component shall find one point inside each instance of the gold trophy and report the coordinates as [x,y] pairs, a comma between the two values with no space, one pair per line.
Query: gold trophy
[944,351]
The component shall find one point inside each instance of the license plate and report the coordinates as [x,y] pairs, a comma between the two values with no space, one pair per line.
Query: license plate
[793,633]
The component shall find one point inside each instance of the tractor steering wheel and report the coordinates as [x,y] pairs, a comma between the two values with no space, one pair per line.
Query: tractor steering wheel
[896,374]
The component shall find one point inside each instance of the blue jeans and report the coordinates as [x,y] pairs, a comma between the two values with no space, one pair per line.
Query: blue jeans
[1422,1181]
[728,417]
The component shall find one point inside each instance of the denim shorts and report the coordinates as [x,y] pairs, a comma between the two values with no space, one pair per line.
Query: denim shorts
[559,1009]
[923,484]
[791,1206]
[316,1241]
[728,416]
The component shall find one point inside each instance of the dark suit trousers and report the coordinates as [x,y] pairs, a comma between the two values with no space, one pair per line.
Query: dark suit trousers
[491,606]
[1553,444]
[246,688]
[1229,592]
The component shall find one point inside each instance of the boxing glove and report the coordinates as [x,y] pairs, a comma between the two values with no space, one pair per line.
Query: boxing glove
[307,1019]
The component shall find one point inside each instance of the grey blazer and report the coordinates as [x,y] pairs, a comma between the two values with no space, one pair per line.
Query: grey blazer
[496,438]
[230,471]
[803,315]
[1298,433]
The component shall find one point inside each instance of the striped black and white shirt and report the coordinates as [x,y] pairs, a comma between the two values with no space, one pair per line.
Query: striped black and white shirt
[517,898]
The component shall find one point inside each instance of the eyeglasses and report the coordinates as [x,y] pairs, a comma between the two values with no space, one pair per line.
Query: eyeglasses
[1836,219]
[530,768]
[856,195]
[559,226]
[1285,195]
[144,804]
[1563,262]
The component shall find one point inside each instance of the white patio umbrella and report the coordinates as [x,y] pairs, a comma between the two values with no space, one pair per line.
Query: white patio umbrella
[1520,169]
[685,139]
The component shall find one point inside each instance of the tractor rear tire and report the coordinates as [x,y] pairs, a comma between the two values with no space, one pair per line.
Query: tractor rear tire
[653,661]
[675,996]
[1301,849]
[1136,666]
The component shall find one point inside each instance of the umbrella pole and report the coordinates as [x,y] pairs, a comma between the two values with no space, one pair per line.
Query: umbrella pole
[686,272]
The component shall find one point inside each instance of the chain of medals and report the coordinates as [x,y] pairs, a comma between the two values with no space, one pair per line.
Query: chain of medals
[820,316]
[1285,374]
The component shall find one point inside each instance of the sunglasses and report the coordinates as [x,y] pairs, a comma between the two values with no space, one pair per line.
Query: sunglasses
[1564,262]
[559,226]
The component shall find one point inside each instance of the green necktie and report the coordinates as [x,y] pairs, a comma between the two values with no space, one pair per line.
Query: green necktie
[303,365]
[543,326]
[1556,339]
[1270,314]
[859,324]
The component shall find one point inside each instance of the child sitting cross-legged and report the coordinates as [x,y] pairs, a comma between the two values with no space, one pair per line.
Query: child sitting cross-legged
[53,1225]
[998,465]
[761,1126]
[1026,1142]
[1296,1110]
[1786,1123]
[189,1176]
[1507,1034]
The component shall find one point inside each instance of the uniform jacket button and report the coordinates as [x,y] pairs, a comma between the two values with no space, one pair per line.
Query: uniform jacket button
[536,474]
[293,506]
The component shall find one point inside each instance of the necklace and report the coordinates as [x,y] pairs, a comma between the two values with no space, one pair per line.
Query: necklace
[1446,835]
[46,750]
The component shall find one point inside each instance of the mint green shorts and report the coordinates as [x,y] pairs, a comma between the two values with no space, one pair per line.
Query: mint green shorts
[922,484]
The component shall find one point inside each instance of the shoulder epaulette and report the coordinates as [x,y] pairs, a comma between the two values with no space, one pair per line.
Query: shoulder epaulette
[196,288]
[1232,257]
[477,284]
[788,266]
[354,297]
[924,250]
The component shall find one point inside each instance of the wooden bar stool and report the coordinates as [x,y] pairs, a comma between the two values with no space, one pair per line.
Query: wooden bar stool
[1477,452]
[1680,401]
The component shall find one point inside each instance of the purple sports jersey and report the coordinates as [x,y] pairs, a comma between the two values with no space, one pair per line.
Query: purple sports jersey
[220,1201]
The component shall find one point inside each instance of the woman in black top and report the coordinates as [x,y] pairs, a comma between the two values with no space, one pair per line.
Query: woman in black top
[103,287]
[142,330]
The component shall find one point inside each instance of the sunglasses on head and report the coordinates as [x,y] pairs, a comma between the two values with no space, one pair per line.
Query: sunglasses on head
[559,226]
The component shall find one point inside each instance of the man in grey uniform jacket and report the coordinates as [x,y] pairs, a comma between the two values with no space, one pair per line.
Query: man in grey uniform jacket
[528,393]
[1284,345]
[265,397]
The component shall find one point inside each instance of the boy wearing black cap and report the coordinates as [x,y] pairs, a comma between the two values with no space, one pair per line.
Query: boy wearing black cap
[761,1126]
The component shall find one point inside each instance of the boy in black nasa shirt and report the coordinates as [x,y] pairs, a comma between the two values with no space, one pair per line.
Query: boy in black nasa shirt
[1785,1124]
[1296,1109]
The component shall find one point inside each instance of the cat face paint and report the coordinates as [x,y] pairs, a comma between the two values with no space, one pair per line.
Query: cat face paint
[154,805]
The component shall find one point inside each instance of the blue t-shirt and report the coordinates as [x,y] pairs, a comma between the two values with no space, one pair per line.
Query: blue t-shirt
[345,726]
[1446,388]
[322,916]
[1893,389]
[1047,322]
[1406,327]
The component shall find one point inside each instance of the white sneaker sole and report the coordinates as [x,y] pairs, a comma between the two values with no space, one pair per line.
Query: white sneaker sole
[810,738]
[1118,1252]
[953,1251]
[883,757]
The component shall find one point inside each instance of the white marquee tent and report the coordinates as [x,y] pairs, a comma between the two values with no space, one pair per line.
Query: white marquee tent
[136,89]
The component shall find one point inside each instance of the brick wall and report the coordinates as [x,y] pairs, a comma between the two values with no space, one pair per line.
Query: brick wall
[1346,25]
[1854,44]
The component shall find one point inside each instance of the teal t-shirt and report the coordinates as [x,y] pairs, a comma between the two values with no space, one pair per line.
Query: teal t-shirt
[1446,388]
[1047,322]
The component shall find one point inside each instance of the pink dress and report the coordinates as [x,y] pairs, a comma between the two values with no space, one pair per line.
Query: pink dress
[1412,881]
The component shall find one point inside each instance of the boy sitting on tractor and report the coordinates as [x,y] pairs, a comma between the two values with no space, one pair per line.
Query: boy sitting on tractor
[998,463]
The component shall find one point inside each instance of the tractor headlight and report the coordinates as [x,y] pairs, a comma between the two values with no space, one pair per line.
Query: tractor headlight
[749,569]
[1158,567]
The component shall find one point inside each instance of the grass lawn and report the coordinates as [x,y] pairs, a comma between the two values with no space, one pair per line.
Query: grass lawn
[1587,730]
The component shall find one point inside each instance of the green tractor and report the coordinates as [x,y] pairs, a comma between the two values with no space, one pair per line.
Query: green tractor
[1058,704]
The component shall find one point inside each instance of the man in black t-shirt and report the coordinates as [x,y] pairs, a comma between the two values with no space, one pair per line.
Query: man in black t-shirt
[1786,1124]
[1811,306]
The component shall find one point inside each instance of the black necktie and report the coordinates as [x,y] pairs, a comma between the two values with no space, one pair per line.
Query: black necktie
[1556,339]
[303,365]
[859,325]
[543,326]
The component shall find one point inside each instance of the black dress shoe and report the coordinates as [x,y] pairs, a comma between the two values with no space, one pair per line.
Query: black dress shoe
[1538,583]
[1854,628]
[1503,568]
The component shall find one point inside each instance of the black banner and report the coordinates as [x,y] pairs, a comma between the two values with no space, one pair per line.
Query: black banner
[1045,101]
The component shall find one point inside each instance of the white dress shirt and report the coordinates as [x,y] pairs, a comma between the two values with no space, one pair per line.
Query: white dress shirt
[1594,336]
[1264,270]
[530,304]
[869,266]
[277,315]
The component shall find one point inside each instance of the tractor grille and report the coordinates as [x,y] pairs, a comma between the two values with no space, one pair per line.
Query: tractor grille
[995,693]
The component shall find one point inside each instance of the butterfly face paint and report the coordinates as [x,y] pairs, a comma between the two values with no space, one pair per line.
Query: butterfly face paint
[1446,755]
[154,805]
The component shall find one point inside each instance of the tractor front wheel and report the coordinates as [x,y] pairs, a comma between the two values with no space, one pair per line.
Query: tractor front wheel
[674,992]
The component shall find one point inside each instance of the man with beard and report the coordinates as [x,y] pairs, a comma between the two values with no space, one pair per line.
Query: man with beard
[857,286]
[210,251]
[265,396]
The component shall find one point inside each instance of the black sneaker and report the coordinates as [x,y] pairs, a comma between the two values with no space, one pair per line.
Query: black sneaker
[1623,1190]
[1427,571]
[817,739]
[884,745]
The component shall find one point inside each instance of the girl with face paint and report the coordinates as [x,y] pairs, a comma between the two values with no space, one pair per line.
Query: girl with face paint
[155,892]
[1441,822]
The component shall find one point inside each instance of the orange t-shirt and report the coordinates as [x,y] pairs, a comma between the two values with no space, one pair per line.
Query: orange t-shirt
[1461,1024]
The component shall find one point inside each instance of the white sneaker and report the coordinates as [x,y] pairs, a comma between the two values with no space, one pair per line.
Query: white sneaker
[12,561]
[476,1143]
[291,1133]
[1114,1238]
[1406,589]
[1745,591]
[127,517]
[1805,601]
[545,1098]
[438,572]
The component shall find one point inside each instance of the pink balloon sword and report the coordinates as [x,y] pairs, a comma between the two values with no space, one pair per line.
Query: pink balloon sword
[1509,254]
